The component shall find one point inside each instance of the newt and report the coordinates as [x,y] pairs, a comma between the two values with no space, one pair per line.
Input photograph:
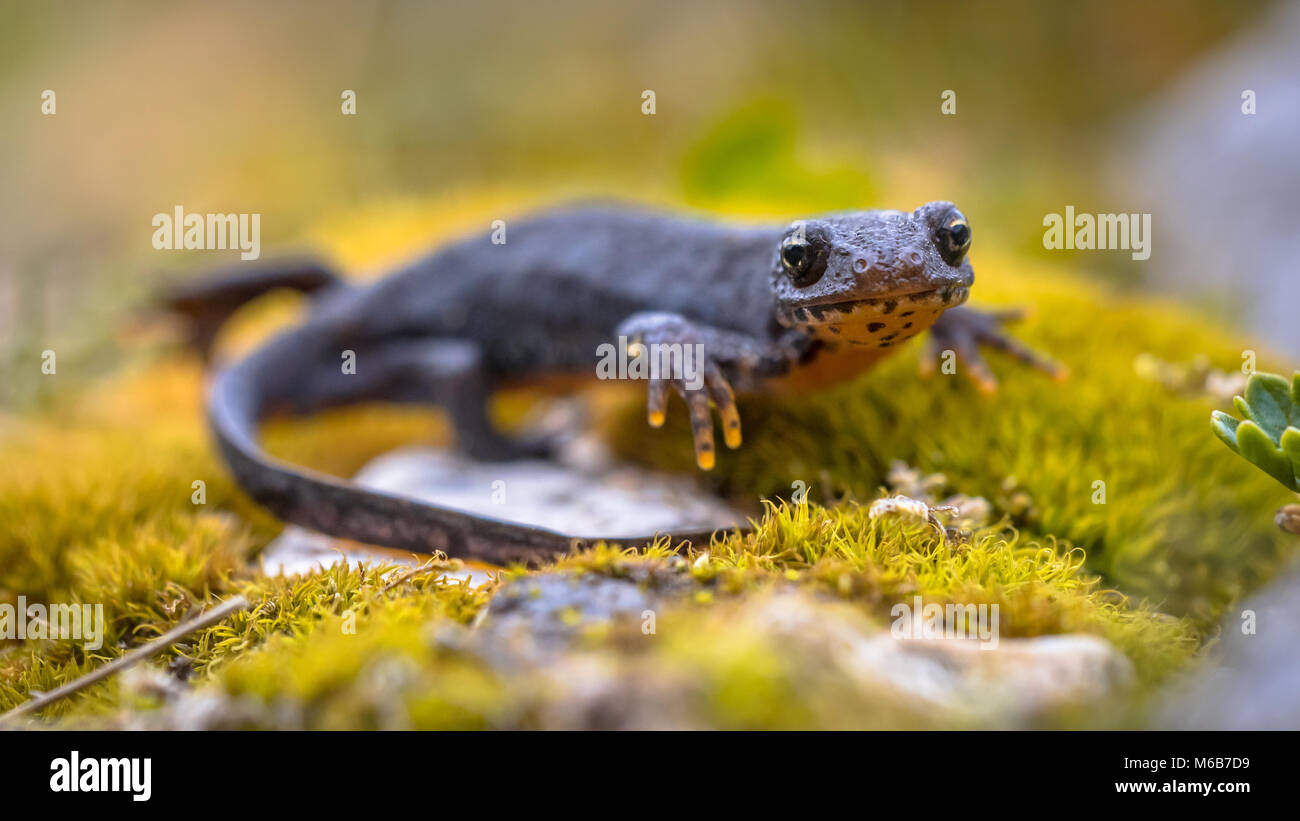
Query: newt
[792,306]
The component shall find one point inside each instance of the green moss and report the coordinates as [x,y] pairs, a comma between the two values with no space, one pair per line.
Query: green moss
[1041,588]
[328,670]
[99,508]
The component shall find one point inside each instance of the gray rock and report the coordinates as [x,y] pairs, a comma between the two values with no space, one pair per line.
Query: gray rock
[1016,683]
[1253,680]
[1223,186]
[536,619]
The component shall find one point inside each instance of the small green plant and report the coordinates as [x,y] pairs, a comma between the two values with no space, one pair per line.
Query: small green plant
[1268,437]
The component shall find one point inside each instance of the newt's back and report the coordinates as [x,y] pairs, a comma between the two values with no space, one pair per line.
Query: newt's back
[560,284]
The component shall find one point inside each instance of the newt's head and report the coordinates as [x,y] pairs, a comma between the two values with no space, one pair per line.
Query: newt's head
[873,278]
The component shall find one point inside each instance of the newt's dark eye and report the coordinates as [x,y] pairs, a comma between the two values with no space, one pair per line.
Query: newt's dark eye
[801,260]
[793,253]
[953,239]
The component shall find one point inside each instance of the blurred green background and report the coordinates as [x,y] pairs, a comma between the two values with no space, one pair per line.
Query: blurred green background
[235,107]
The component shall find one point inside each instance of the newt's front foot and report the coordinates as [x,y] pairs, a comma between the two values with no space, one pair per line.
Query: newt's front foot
[690,358]
[963,330]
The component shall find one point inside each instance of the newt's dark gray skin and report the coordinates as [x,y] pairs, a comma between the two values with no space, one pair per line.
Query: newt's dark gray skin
[797,306]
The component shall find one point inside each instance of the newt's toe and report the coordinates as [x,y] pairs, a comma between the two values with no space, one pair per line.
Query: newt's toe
[731,435]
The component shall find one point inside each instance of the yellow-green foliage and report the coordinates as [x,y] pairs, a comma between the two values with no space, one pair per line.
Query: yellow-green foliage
[335,674]
[1040,587]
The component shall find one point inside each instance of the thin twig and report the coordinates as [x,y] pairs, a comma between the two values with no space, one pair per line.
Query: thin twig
[429,565]
[130,658]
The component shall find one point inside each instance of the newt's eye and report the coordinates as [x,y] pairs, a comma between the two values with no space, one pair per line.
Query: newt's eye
[953,239]
[801,261]
[793,253]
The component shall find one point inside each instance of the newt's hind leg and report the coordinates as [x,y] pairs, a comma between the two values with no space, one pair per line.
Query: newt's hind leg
[209,301]
[449,373]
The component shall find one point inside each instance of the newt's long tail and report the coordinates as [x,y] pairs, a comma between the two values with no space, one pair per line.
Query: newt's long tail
[278,376]
[206,303]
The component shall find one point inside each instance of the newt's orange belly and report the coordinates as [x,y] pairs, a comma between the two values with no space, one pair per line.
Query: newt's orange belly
[551,383]
[830,367]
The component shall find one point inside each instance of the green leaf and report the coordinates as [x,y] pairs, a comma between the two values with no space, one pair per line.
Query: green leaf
[1269,398]
[1225,427]
[1291,448]
[1295,389]
[1256,446]
[1242,407]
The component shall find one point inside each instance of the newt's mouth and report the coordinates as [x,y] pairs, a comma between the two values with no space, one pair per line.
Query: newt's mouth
[933,300]
[878,322]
